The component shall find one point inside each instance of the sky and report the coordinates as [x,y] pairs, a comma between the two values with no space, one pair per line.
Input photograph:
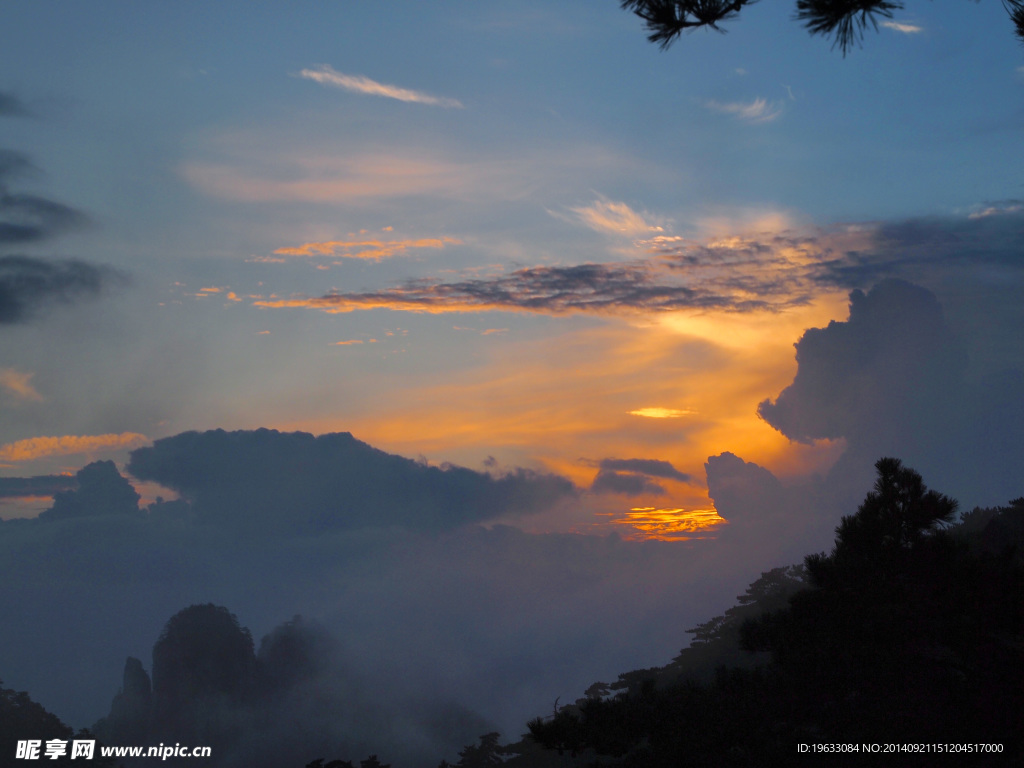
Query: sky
[703,288]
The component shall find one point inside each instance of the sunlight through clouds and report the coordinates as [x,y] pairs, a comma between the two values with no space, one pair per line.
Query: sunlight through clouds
[669,524]
[661,413]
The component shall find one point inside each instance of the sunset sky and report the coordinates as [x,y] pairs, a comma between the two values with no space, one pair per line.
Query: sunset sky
[518,235]
[540,238]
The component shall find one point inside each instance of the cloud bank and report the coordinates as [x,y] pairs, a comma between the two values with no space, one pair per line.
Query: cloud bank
[753,272]
[260,479]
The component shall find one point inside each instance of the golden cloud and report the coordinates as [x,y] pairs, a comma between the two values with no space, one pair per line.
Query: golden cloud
[19,384]
[67,445]
[373,250]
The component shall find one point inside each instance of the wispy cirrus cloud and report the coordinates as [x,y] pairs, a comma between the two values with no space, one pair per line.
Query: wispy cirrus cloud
[616,218]
[19,384]
[899,26]
[68,445]
[371,249]
[326,75]
[757,111]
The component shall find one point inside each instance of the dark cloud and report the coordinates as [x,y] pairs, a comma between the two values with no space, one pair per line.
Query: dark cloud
[626,483]
[266,479]
[631,477]
[27,218]
[917,248]
[650,467]
[14,164]
[894,361]
[742,489]
[11,106]
[893,380]
[41,485]
[28,283]
[100,490]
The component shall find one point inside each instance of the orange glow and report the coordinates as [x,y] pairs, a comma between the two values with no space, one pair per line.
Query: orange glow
[41,447]
[373,250]
[661,413]
[670,524]
[562,401]
[336,304]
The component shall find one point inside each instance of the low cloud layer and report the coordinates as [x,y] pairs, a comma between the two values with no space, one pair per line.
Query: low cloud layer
[268,479]
[501,620]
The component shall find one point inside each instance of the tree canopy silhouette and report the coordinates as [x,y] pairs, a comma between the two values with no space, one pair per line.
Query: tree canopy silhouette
[843,20]
[910,629]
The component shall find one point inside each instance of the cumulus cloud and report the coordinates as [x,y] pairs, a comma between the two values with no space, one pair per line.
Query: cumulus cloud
[264,478]
[69,445]
[892,358]
[326,75]
[757,111]
[892,381]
